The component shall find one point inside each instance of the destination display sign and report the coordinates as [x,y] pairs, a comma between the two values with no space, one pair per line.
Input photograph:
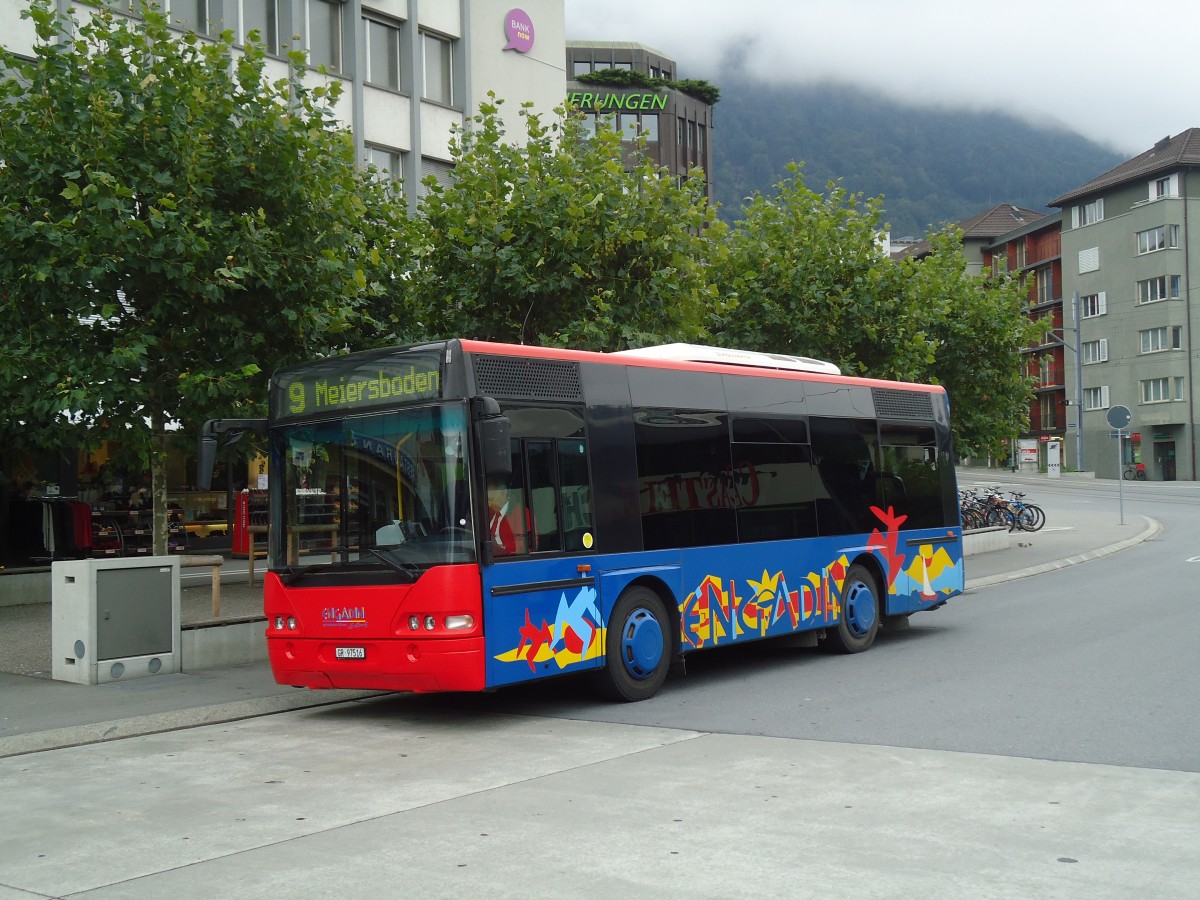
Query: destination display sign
[348,385]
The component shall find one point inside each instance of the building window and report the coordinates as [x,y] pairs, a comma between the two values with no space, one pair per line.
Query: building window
[1047,372]
[1092,305]
[1164,287]
[1152,239]
[1167,337]
[325,34]
[999,264]
[387,163]
[1089,260]
[383,54]
[650,126]
[1045,285]
[1167,186]
[439,83]
[1022,252]
[581,67]
[1094,351]
[1095,397]
[261,16]
[1161,390]
[1087,213]
[190,15]
[1049,412]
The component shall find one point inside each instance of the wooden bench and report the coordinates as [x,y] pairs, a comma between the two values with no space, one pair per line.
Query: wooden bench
[215,562]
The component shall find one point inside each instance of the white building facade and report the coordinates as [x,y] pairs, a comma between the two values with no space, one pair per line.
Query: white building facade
[411,68]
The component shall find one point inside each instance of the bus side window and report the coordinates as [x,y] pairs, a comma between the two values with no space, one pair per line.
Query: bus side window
[910,456]
[846,451]
[543,495]
[576,492]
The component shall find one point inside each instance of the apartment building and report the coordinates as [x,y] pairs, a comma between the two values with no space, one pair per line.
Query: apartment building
[1032,253]
[1127,243]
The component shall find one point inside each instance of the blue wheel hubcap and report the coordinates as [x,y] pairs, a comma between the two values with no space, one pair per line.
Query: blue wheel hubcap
[641,643]
[860,609]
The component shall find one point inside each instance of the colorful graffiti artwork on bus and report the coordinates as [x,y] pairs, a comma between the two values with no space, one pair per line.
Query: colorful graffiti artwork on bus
[721,610]
[932,573]
[575,634]
[713,613]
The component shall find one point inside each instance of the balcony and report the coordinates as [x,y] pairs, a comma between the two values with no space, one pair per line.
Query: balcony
[1045,249]
[1051,381]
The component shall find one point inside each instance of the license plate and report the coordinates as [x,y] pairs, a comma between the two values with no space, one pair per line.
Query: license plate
[350,652]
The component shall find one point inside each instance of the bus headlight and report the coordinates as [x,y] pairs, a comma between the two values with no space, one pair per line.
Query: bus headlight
[459,623]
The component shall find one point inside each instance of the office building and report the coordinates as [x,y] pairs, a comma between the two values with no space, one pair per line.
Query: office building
[677,124]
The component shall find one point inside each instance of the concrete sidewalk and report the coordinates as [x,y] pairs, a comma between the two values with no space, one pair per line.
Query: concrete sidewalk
[37,713]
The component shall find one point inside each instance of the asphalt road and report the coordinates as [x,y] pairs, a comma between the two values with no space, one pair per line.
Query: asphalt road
[1095,663]
[1032,739]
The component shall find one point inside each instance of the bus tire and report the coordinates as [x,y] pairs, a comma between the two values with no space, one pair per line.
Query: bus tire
[861,613]
[638,651]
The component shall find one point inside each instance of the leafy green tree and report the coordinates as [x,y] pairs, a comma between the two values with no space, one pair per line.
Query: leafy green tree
[174,226]
[976,328]
[810,278]
[562,239]
[807,273]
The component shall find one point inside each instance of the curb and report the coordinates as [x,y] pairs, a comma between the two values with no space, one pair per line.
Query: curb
[1153,529]
[156,723]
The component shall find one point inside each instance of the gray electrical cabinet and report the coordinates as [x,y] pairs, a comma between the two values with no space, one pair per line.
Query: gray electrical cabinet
[114,619]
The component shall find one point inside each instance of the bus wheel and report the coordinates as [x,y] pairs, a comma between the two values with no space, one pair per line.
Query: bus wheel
[638,646]
[859,624]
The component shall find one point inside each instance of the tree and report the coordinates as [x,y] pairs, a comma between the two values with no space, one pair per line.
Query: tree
[977,328]
[175,227]
[809,278]
[556,241]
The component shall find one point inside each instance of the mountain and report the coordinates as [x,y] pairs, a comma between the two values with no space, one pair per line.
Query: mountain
[932,164]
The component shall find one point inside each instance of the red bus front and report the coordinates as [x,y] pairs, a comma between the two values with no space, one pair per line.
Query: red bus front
[426,636]
[374,579]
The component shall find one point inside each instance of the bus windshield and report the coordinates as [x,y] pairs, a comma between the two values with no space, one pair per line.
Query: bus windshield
[385,494]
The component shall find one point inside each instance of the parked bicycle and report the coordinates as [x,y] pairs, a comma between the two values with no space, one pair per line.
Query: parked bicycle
[987,507]
[1135,472]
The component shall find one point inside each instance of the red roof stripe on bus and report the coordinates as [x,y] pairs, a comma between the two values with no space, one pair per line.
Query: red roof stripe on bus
[472,346]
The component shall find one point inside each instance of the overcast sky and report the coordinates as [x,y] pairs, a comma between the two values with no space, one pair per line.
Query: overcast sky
[1120,73]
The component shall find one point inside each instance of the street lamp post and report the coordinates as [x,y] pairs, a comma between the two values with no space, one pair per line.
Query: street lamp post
[1077,349]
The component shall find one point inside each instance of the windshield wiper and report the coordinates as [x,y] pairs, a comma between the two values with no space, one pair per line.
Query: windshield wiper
[403,568]
[292,575]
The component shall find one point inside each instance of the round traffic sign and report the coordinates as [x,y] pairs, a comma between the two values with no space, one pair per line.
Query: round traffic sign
[1119,416]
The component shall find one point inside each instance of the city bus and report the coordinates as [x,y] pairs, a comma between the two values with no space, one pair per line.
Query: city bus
[462,515]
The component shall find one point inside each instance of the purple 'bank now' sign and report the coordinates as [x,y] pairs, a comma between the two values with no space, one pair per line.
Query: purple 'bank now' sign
[518,29]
